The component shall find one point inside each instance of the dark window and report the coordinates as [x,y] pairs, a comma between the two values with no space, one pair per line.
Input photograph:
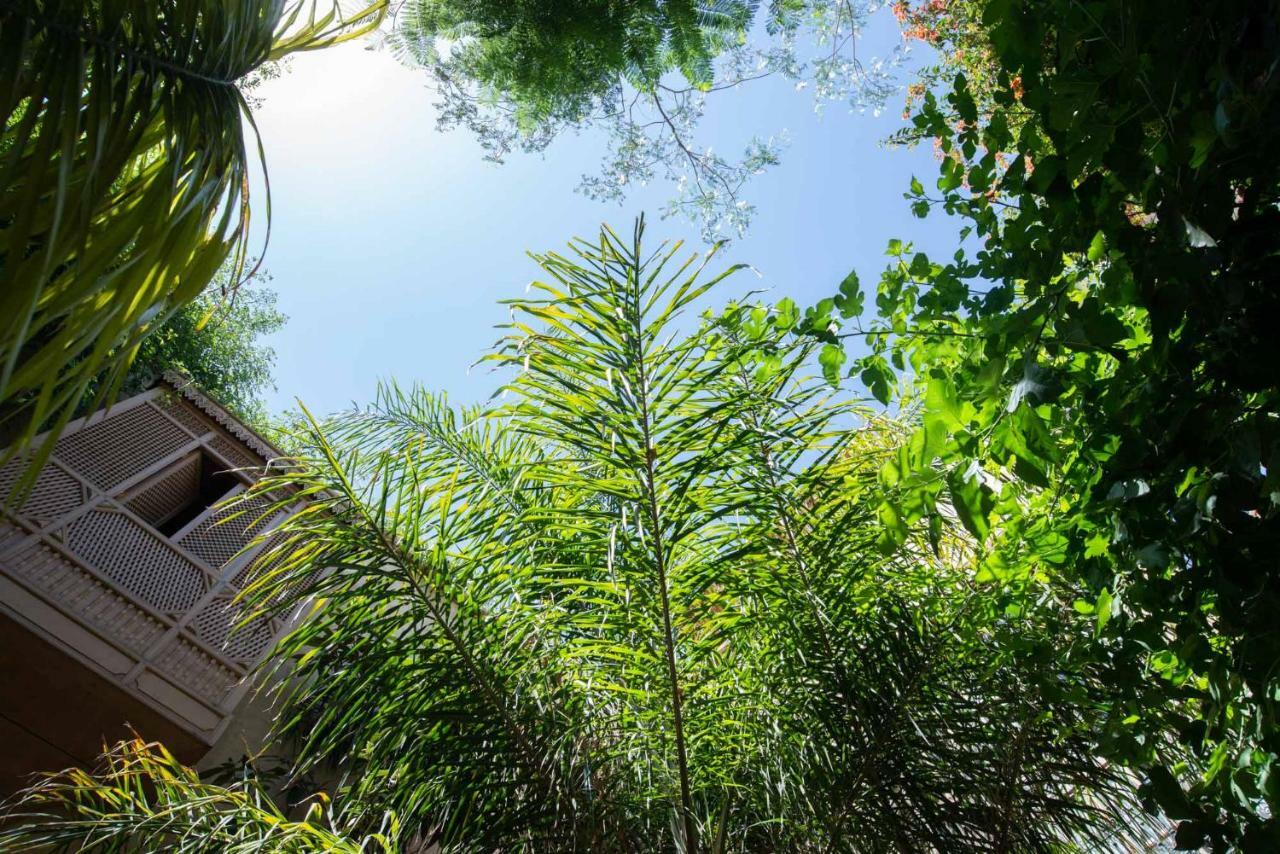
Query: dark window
[174,497]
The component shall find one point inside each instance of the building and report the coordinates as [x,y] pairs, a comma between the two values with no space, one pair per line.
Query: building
[118,576]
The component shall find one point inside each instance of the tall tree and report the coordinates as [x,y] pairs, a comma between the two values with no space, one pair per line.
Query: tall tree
[217,341]
[1100,397]
[124,173]
[640,607]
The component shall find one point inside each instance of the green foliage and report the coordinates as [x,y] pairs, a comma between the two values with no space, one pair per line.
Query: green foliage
[216,341]
[1099,377]
[123,174]
[518,74]
[962,44]
[558,60]
[644,604]
[142,799]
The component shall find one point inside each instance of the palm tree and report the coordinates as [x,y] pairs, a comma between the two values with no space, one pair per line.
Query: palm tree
[640,605]
[124,180]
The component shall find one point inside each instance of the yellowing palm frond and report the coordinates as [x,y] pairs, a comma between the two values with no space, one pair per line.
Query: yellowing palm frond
[142,799]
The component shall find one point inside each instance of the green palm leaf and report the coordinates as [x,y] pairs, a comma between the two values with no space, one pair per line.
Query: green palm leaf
[142,799]
[643,605]
[123,175]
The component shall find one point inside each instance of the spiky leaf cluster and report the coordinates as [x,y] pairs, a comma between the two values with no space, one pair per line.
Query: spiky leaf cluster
[124,176]
[643,605]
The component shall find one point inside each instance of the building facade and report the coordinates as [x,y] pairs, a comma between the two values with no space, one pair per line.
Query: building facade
[118,581]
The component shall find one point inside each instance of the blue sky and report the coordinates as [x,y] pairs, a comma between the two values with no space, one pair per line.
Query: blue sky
[392,242]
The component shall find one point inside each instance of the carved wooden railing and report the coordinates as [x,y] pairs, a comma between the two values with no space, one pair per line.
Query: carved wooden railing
[83,564]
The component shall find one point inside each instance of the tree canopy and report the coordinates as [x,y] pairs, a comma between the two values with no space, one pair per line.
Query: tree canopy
[558,60]
[1098,380]
[216,340]
[660,594]
[518,74]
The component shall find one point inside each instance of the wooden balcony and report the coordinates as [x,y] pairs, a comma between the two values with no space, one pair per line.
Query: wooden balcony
[120,560]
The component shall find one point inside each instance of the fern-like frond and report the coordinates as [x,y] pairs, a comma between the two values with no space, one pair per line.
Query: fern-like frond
[143,799]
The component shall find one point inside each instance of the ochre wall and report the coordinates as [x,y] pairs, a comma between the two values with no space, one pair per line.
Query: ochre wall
[55,712]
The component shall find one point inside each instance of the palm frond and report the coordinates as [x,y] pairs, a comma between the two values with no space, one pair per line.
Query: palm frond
[124,176]
[605,376]
[433,659]
[643,605]
[142,799]
[898,722]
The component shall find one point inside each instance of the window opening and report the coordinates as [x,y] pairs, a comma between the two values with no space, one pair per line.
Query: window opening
[172,499]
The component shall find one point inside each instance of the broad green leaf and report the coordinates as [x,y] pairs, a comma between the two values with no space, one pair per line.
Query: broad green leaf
[973,502]
[786,315]
[1102,608]
[941,405]
[850,298]
[832,358]
[1097,247]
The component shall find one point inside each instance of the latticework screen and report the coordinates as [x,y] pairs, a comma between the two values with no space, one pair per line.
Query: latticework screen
[168,493]
[54,494]
[225,532]
[88,540]
[138,559]
[120,446]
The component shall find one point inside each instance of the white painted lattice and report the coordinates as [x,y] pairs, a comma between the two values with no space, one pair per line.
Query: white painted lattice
[93,571]
[136,559]
[111,451]
[160,498]
[10,535]
[197,671]
[226,531]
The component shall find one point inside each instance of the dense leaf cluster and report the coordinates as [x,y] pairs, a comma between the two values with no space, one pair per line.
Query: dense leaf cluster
[124,175]
[1099,378]
[559,59]
[639,607]
[217,342]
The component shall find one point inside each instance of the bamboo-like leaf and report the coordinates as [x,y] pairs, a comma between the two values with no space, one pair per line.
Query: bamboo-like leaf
[123,177]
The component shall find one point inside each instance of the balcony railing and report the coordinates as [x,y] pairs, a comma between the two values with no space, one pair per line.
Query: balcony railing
[116,557]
